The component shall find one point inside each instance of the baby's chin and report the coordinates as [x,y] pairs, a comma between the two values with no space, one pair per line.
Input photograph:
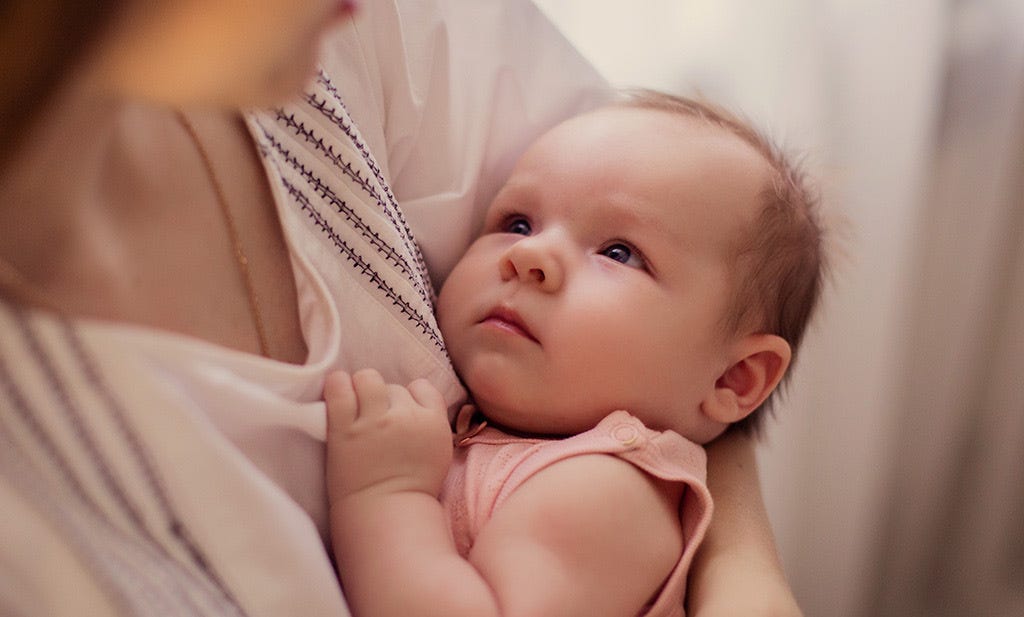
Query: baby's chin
[533,419]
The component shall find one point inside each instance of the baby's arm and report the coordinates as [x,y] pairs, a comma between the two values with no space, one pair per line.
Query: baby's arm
[590,535]
[587,536]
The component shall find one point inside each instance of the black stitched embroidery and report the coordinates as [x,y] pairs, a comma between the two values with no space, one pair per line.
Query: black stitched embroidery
[422,323]
[386,250]
[418,280]
[344,122]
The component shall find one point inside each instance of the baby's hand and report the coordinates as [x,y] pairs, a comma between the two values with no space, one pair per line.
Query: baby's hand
[384,438]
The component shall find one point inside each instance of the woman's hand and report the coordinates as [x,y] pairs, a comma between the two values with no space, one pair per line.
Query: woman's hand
[384,438]
[737,572]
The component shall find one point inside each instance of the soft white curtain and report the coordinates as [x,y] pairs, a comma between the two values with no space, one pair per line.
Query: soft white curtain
[893,476]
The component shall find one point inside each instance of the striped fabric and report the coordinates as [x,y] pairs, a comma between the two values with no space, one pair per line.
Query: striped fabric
[81,458]
[330,176]
[67,446]
[146,473]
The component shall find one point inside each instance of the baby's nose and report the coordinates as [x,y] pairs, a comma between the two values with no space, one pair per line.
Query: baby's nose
[533,261]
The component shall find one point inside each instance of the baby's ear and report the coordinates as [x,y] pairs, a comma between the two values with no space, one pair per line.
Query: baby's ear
[760,361]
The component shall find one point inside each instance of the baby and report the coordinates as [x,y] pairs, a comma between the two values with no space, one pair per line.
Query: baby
[641,284]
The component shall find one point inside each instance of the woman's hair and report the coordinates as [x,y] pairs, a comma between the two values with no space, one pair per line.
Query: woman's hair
[780,259]
[40,42]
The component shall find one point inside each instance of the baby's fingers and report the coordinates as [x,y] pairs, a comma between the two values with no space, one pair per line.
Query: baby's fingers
[426,395]
[371,393]
[340,398]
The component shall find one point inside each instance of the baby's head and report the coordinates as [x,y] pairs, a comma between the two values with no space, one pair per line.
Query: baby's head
[655,255]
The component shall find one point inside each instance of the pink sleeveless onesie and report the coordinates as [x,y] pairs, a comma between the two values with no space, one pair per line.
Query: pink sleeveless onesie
[490,465]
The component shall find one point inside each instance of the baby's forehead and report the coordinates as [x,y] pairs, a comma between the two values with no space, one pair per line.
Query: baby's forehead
[644,159]
[646,124]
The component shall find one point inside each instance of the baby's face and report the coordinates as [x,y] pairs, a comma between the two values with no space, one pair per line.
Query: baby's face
[603,273]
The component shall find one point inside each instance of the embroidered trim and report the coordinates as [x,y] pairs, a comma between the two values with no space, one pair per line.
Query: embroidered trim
[344,122]
[373,238]
[422,323]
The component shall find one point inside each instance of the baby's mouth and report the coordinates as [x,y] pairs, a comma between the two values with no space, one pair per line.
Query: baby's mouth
[507,319]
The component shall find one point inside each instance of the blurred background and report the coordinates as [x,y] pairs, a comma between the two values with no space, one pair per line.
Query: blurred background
[894,474]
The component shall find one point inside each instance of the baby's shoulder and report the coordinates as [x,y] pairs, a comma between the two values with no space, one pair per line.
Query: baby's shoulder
[603,489]
[604,503]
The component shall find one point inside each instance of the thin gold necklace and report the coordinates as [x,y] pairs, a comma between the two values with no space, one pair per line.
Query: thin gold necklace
[241,259]
[14,283]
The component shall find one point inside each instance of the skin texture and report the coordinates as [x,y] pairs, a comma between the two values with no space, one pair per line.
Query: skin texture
[185,51]
[129,228]
[397,557]
[597,284]
[541,301]
[737,552]
[117,165]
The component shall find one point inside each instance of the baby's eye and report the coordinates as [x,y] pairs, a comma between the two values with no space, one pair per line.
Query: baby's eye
[518,225]
[624,254]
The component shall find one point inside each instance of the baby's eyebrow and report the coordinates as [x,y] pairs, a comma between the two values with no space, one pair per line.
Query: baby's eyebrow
[514,196]
[631,212]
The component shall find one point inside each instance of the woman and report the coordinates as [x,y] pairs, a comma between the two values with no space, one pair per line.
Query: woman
[176,279]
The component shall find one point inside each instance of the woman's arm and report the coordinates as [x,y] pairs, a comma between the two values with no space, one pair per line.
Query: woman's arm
[737,569]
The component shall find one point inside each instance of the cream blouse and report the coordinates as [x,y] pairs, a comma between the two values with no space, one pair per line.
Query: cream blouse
[145,472]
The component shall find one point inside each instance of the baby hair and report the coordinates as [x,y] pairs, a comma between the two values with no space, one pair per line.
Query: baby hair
[780,259]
